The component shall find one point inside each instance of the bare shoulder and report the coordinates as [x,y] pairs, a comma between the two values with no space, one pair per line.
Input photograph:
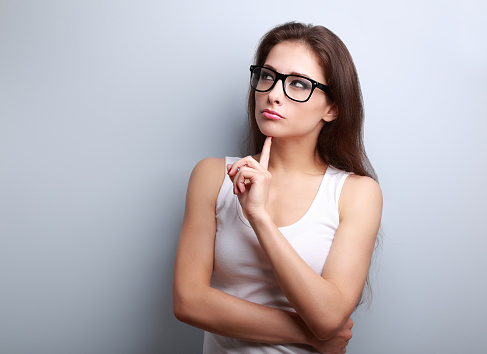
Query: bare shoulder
[361,184]
[210,167]
[360,194]
[207,177]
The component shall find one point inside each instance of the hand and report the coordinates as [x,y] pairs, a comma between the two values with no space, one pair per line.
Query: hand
[251,181]
[336,344]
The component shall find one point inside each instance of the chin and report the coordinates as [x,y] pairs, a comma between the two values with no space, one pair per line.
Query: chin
[268,130]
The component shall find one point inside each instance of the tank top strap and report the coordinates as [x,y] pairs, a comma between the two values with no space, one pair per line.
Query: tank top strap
[328,195]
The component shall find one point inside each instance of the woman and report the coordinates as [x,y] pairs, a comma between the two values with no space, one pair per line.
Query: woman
[250,267]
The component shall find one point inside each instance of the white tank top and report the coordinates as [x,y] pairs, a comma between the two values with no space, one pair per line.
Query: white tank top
[242,269]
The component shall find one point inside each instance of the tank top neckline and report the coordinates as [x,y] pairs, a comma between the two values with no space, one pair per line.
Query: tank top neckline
[326,175]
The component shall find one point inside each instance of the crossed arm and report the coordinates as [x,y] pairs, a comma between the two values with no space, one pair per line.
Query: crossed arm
[195,302]
[323,303]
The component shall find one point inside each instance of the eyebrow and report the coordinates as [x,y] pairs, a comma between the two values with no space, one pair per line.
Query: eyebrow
[292,73]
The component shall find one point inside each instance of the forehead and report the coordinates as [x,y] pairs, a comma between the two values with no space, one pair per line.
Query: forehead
[294,57]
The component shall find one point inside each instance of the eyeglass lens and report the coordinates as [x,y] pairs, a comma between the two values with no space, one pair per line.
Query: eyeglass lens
[295,87]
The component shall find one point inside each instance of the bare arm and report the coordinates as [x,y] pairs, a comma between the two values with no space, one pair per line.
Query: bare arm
[324,302]
[194,301]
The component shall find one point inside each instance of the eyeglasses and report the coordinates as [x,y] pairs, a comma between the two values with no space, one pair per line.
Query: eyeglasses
[296,87]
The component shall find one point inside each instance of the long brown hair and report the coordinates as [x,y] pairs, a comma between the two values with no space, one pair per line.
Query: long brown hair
[340,142]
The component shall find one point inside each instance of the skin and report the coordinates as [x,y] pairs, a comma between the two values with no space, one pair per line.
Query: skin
[275,188]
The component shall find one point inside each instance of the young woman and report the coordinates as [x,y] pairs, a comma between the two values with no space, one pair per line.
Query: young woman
[275,248]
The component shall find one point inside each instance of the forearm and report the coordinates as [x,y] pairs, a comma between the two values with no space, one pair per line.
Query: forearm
[215,311]
[317,301]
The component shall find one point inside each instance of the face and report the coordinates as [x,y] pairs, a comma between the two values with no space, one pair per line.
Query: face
[279,116]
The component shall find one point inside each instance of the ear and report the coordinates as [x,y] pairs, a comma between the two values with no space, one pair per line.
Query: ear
[331,113]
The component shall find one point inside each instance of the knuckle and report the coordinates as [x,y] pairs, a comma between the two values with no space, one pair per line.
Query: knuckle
[264,176]
[244,169]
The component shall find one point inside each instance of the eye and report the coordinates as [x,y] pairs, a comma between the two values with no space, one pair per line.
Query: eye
[267,75]
[299,83]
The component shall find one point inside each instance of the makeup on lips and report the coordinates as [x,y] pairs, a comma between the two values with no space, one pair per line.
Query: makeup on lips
[267,113]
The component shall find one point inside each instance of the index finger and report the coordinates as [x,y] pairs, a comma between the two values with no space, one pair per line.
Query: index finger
[266,151]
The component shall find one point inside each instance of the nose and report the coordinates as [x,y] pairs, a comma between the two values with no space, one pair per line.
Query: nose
[276,95]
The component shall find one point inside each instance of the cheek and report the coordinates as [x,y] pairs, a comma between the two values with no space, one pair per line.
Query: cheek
[260,98]
[260,103]
[317,109]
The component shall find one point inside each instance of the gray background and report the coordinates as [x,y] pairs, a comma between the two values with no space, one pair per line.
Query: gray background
[106,106]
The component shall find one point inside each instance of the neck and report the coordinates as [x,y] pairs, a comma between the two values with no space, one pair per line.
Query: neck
[295,156]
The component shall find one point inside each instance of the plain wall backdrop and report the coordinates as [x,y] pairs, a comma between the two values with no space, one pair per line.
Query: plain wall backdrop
[106,106]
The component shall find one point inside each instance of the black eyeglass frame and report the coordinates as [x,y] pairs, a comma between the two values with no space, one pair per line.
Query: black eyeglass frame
[283,77]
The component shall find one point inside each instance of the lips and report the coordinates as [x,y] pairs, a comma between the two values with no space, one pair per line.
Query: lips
[271,114]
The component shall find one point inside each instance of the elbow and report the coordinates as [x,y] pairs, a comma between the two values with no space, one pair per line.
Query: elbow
[181,306]
[178,310]
[188,302]
[328,326]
